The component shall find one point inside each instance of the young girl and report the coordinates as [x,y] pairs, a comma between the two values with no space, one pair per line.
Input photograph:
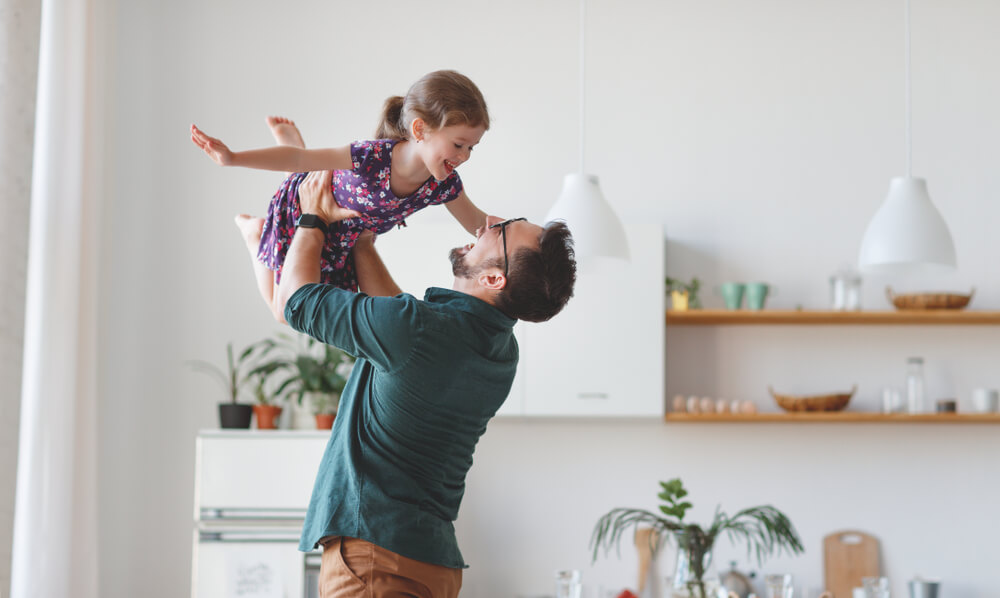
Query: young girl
[421,140]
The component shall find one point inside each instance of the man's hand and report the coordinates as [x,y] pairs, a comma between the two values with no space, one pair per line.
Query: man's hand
[215,149]
[316,197]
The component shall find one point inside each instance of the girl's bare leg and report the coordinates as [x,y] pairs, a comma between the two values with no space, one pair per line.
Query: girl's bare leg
[285,132]
[250,229]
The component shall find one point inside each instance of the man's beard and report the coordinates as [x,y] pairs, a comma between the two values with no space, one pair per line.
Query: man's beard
[459,265]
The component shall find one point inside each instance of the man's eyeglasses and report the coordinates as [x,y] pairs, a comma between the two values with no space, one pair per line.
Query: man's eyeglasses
[503,234]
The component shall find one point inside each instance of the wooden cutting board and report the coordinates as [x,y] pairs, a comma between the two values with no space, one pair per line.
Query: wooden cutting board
[847,557]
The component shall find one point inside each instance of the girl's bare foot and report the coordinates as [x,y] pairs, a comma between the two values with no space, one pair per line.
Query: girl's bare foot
[250,229]
[285,132]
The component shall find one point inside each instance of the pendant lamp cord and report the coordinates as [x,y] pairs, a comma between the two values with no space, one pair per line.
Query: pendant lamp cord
[582,70]
[909,140]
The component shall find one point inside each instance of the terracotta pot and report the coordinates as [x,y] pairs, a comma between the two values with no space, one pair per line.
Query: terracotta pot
[324,421]
[267,416]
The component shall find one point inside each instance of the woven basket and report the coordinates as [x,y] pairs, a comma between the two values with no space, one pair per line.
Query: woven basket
[830,402]
[929,300]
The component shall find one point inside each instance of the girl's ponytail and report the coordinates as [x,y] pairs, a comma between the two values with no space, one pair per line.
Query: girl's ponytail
[440,99]
[391,125]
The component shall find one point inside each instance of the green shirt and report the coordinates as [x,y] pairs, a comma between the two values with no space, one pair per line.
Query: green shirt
[430,374]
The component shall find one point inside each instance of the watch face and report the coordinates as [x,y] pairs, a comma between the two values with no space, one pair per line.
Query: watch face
[311,221]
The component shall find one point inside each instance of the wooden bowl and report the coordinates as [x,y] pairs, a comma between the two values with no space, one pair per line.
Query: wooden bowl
[829,402]
[929,300]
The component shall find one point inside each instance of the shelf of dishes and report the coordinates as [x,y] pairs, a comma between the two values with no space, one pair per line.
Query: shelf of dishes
[835,417]
[725,317]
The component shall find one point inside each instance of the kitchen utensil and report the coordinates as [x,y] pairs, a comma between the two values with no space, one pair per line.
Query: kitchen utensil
[923,588]
[828,402]
[929,300]
[985,400]
[736,582]
[732,294]
[875,587]
[568,584]
[848,556]
[892,399]
[845,290]
[779,585]
[756,293]
[646,540]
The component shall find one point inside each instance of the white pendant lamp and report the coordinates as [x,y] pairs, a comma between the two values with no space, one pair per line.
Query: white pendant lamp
[907,233]
[596,229]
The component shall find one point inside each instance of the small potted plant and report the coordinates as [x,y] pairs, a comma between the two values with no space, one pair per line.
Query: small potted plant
[325,409]
[266,408]
[765,529]
[684,295]
[317,372]
[233,414]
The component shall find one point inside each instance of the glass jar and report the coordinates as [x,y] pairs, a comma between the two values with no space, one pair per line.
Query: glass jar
[845,290]
[915,392]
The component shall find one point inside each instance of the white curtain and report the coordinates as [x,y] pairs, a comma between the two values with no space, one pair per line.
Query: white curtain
[55,514]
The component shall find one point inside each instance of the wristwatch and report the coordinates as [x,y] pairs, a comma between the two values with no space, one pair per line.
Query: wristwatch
[311,221]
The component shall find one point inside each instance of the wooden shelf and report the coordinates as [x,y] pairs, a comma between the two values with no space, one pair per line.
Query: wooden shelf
[836,417]
[722,317]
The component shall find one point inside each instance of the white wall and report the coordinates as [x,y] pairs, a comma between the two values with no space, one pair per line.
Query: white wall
[19,24]
[763,135]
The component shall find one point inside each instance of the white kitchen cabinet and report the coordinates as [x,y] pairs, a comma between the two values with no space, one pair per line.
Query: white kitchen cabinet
[602,356]
[256,469]
[252,489]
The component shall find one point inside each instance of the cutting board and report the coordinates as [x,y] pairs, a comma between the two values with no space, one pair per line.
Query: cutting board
[847,557]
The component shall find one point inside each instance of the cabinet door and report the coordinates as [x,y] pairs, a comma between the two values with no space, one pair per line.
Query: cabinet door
[250,470]
[604,354]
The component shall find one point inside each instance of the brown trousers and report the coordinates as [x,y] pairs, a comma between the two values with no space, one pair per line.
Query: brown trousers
[354,568]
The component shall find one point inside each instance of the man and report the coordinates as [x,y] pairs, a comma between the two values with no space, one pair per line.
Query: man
[429,376]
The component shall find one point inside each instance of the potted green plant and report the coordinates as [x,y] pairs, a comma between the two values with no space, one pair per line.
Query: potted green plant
[765,530]
[316,372]
[325,410]
[684,295]
[266,408]
[238,372]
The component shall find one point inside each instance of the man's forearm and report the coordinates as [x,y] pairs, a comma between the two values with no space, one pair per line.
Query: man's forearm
[373,277]
[302,264]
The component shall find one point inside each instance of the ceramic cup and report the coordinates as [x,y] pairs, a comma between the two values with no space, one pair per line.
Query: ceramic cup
[756,295]
[985,400]
[921,588]
[732,294]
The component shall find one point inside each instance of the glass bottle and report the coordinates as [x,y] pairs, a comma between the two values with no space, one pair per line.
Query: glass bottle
[915,385]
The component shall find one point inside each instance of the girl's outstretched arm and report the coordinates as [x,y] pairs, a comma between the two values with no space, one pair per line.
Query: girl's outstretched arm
[281,157]
[466,212]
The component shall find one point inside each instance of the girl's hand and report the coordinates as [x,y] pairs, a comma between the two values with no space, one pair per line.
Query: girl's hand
[316,197]
[215,149]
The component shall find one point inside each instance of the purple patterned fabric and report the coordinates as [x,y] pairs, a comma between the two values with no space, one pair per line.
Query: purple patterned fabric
[364,188]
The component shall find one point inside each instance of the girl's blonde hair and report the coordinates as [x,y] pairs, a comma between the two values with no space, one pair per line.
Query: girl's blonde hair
[441,98]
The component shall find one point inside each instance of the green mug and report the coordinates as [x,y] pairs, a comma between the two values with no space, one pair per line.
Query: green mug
[732,294]
[756,295]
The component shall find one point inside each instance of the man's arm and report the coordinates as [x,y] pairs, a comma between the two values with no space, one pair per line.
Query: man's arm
[373,277]
[302,262]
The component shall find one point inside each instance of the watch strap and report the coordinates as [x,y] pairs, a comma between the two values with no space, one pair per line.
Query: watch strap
[312,221]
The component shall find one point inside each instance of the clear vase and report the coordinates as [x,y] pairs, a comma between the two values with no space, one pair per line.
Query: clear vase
[686,583]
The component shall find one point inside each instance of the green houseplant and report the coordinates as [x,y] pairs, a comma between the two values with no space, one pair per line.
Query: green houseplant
[765,530]
[684,294]
[240,371]
[313,369]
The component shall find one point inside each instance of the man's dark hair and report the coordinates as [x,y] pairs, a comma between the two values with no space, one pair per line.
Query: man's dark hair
[540,282]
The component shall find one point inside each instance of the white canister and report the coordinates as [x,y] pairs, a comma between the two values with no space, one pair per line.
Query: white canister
[986,400]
